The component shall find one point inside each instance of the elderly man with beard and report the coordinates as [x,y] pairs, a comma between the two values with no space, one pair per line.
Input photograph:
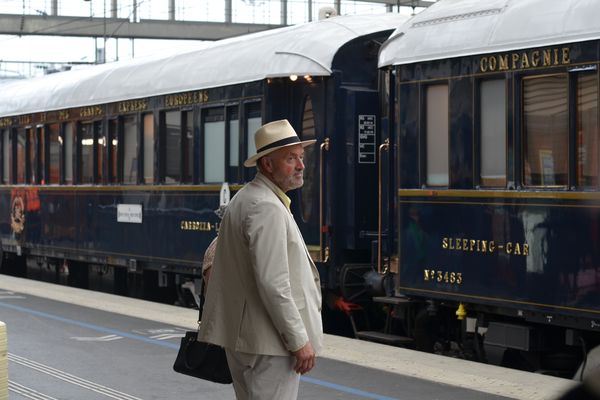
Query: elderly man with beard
[264,297]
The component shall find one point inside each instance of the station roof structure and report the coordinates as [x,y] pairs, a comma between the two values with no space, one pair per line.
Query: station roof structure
[60,25]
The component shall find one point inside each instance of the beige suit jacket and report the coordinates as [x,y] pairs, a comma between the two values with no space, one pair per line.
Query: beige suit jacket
[264,293]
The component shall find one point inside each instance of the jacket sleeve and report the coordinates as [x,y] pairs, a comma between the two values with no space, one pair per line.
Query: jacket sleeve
[266,231]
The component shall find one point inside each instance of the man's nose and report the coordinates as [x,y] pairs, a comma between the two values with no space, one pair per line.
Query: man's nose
[299,164]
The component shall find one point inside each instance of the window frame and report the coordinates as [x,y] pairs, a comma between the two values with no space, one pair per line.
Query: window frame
[480,181]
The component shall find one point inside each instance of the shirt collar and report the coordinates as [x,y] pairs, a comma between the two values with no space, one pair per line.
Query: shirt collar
[276,189]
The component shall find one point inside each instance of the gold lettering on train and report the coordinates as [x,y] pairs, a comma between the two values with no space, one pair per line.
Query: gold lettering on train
[185,99]
[442,276]
[547,58]
[484,246]
[5,122]
[525,60]
[90,112]
[63,115]
[24,119]
[535,58]
[133,106]
[204,226]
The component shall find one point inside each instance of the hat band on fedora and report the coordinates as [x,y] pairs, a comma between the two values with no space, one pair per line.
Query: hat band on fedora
[281,142]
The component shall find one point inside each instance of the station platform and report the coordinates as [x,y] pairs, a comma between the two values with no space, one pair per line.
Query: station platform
[68,343]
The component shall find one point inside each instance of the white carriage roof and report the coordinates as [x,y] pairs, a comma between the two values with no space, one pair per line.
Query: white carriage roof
[305,49]
[455,28]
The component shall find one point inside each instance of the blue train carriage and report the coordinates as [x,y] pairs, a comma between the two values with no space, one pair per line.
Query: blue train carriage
[110,175]
[497,142]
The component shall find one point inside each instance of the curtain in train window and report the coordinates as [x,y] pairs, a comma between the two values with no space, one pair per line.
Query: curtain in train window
[437,140]
[587,129]
[69,153]
[148,148]
[173,149]
[214,145]
[86,146]
[54,154]
[546,130]
[130,150]
[310,178]
[493,132]
[253,122]
[234,144]
[21,140]
[6,157]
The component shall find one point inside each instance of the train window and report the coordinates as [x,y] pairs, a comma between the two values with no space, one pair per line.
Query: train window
[253,122]
[188,146]
[437,141]
[100,150]
[54,154]
[587,129]
[148,148]
[113,155]
[130,149]
[234,144]
[308,133]
[493,132]
[69,153]
[86,147]
[173,146]
[21,139]
[214,145]
[6,157]
[41,154]
[546,130]
[31,169]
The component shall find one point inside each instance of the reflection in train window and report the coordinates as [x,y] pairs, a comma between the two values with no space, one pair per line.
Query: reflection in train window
[100,150]
[113,154]
[86,146]
[6,157]
[69,153]
[148,148]
[234,144]
[173,146]
[437,141]
[31,169]
[54,154]
[21,139]
[130,149]
[253,122]
[214,145]
[310,178]
[587,129]
[493,132]
[41,154]
[546,130]
[188,146]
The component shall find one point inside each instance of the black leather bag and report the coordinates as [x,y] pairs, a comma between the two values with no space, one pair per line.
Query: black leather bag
[202,360]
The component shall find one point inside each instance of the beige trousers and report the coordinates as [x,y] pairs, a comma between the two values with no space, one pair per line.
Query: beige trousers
[260,377]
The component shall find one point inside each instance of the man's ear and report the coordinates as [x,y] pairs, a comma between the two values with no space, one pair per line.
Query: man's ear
[266,164]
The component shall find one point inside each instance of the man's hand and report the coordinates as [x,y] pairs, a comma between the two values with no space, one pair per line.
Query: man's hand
[305,359]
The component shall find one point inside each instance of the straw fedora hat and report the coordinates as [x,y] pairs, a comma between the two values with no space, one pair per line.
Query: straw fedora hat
[272,136]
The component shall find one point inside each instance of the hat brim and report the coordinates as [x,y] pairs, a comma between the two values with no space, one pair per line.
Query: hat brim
[251,162]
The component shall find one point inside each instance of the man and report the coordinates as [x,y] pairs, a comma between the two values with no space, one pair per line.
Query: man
[264,298]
